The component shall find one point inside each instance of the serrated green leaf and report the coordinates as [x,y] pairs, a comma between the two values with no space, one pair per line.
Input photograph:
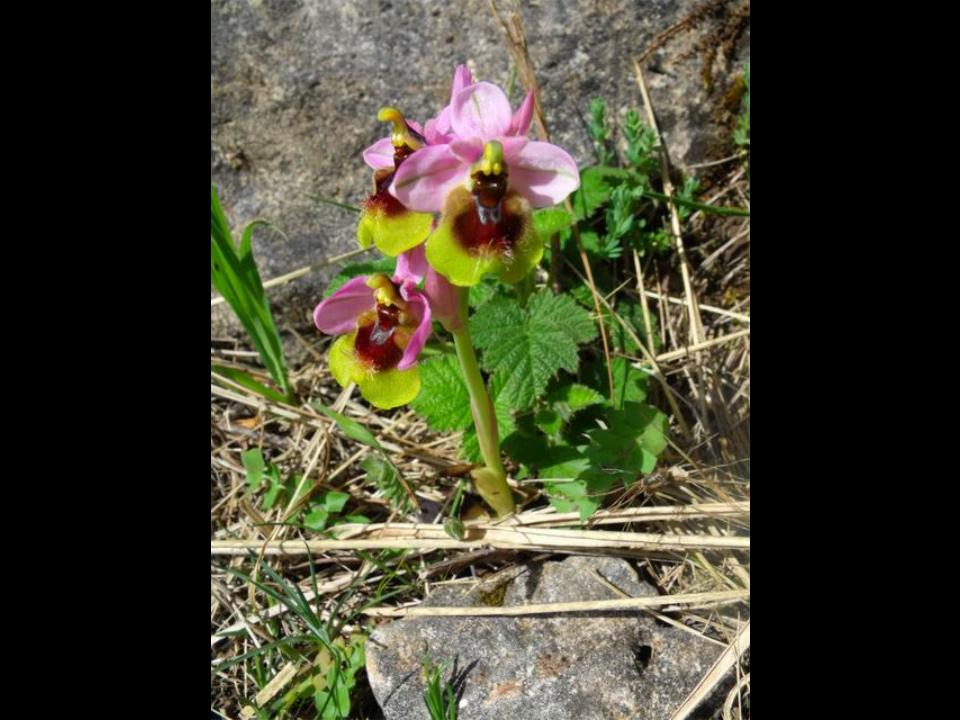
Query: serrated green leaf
[575,495]
[549,421]
[596,184]
[571,397]
[527,347]
[550,221]
[484,291]
[636,435]
[568,469]
[444,400]
[563,402]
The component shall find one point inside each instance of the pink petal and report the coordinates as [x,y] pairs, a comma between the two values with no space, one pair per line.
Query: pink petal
[444,299]
[480,111]
[541,172]
[380,154]
[469,151]
[425,178]
[338,313]
[417,304]
[434,133]
[520,124]
[411,265]
[462,77]
[511,147]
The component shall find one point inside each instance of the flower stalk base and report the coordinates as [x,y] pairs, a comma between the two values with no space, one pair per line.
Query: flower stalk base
[491,480]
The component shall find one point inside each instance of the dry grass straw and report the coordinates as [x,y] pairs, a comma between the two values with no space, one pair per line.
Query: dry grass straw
[563,607]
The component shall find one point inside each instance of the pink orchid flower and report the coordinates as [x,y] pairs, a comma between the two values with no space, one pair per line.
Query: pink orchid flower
[485,182]
[478,114]
[384,220]
[383,324]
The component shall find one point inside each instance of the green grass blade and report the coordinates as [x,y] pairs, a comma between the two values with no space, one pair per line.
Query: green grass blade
[351,428]
[739,212]
[236,277]
[242,378]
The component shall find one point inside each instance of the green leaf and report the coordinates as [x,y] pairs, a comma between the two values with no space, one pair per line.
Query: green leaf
[351,428]
[636,435]
[596,185]
[549,421]
[632,314]
[334,501]
[276,487]
[384,475]
[444,400]
[484,291]
[572,496]
[254,466]
[316,519]
[296,489]
[549,221]
[569,398]
[629,384]
[527,347]
[569,468]
[562,403]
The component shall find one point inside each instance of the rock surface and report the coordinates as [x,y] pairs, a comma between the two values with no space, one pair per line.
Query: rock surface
[296,85]
[615,665]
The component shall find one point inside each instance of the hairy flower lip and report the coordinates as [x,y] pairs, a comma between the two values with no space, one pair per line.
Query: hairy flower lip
[347,311]
[463,248]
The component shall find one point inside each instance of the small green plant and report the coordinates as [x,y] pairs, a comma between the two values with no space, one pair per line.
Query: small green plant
[327,662]
[601,132]
[439,695]
[234,273]
[314,513]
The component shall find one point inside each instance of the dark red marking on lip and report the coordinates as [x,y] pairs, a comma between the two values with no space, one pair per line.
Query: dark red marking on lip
[382,200]
[486,224]
[375,343]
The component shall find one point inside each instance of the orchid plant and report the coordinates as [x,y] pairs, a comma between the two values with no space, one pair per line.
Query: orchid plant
[453,201]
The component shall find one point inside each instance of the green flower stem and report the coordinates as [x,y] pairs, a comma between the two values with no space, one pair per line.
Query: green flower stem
[491,480]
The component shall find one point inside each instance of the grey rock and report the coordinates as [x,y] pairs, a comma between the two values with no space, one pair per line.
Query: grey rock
[296,85]
[586,665]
